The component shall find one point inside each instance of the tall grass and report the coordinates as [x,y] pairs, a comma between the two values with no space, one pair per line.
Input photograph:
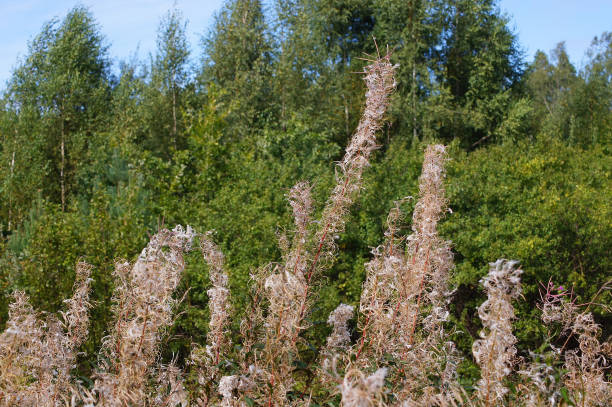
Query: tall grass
[402,354]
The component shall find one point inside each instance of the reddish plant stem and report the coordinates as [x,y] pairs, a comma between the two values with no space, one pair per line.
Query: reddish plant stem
[488,379]
[299,252]
[363,336]
[254,305]
[144,325]
[217,350]
[280,321]
[404,286]
[367,321]
[411,339]
[315,261]
[118,329]
[297,260]
[416,314]
[270,395]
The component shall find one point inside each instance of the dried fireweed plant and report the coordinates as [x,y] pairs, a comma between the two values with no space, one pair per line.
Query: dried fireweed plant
[37,355]
[404,303]
[583,377]
[288,287]
[495,352]
[402,355]
[144,305]
[206,359]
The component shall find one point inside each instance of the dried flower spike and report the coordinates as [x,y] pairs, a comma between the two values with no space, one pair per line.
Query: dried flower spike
[495,352]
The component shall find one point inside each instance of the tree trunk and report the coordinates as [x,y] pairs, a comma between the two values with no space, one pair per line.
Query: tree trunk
[10,190]
[346,117]
[413,85]
[62,165]
[174,117]
[414,107]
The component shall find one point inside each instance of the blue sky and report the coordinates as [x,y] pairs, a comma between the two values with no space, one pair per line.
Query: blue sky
[129,25]
[541,24]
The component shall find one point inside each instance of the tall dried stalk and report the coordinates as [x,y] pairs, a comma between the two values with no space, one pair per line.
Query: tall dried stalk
[143,307]
[170,391]
[495,352]
[424,285]
[584,366]
[584,379]
[340,336]
[284,288]
[207,359]
[405,295]
[540,386]
[380,291]
[288,288]
[36,356]
[338,343]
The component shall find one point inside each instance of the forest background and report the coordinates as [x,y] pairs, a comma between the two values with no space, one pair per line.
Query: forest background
[93,162]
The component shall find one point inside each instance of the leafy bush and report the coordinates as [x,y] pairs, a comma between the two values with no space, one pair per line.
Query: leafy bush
[401,354]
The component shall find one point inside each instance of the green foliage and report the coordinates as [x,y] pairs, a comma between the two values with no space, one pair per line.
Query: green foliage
[544,203]
[59,95]
[166,93]
[550,85]
[237,60]
[569,104]
[270,104]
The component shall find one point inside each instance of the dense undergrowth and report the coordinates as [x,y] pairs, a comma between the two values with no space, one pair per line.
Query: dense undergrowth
[400,352]
[97,156]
